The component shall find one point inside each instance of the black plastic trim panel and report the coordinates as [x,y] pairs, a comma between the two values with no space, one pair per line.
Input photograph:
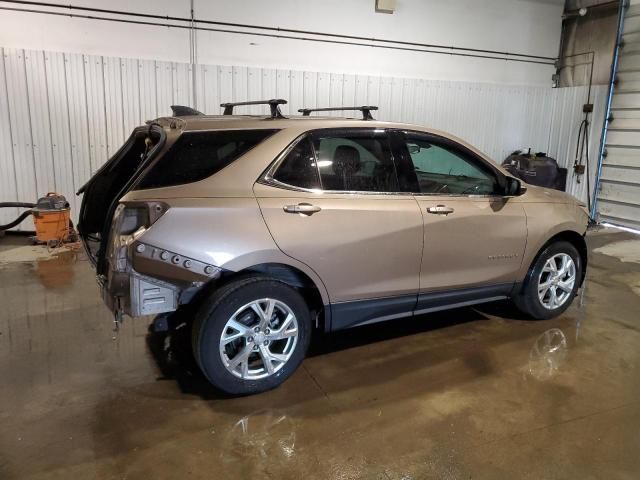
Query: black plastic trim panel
[431,302]
[361,312]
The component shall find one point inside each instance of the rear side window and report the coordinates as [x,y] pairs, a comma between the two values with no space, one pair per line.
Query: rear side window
[198,155]
[355,160]
[299,167]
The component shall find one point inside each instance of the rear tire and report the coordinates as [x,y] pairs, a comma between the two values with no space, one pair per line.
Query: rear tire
[551,283]
[251,335]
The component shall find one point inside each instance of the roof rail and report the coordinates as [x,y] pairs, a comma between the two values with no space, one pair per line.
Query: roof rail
[182,111]
[366,110]
[273,103]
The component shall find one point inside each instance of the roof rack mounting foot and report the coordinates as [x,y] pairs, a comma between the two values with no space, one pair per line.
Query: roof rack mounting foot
[365,109]
[273,103]
[182,111]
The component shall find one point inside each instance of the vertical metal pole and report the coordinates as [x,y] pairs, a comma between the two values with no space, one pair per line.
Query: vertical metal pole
[605,126]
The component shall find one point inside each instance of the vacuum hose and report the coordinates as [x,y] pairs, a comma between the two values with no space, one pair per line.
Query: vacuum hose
[17,204]
[21,217]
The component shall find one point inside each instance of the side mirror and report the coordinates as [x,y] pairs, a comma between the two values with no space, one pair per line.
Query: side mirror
[514,187]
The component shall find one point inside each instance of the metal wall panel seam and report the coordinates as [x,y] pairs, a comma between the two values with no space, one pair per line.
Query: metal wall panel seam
[46,84]
[124,128]
[30,122]
[86,107]
[70,138]
[104,107]
[10,129]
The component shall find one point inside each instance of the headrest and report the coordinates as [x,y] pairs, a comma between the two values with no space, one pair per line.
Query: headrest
[346,159]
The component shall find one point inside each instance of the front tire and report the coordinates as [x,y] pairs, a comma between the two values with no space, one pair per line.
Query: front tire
[251,335]
[552,282]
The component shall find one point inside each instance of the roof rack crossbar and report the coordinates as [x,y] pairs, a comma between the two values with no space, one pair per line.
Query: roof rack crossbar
[365,109]
[274,103]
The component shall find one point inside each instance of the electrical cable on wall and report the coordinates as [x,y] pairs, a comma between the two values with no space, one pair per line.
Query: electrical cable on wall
[581,167]
[194,24]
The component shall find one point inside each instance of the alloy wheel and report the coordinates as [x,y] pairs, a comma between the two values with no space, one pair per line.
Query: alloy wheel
[259,339]
[556,281]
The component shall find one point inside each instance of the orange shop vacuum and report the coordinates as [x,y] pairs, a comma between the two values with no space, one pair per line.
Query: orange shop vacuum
[51,217]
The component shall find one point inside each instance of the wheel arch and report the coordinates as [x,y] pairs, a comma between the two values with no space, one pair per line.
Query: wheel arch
[575,239]
[311,290]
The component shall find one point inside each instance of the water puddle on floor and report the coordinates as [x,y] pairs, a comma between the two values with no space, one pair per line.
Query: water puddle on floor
[53,267]
[57,272]
[630,279]
[266,439]
[626,250]
[25,253]
[548,353]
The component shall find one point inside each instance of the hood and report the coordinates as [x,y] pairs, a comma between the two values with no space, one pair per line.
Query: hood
[549,195]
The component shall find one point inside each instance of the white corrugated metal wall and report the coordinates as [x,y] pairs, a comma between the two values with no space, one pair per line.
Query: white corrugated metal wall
[563,134]
[64,114]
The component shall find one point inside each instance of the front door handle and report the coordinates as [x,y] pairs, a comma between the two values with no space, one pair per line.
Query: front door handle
[440,210]
[303,208]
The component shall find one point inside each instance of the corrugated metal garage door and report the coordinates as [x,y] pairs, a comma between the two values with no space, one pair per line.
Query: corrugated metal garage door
[619,195]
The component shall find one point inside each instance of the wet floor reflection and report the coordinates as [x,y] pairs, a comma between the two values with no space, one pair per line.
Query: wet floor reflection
[548,353]
[550,350]
[468,393]
[169,342]
[262,435]
[57,271]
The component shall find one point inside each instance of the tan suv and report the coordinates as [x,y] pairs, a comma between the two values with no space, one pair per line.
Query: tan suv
[264,228]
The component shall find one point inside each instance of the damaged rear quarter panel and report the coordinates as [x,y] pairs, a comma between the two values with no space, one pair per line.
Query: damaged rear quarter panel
[226,232]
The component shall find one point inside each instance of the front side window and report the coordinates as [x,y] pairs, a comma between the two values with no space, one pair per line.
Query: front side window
[299,168]
[355,160]
[441,169]
[198,155]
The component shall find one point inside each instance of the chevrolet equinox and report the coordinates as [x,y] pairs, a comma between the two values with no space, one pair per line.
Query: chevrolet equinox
[265,228]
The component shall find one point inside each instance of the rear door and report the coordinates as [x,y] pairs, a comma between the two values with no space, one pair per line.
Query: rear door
[474,236]
[333,202]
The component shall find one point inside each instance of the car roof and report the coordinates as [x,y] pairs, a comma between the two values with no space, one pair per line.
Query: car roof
[296,124]
[220,122]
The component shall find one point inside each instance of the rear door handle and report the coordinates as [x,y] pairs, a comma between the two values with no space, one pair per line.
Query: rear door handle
[440,210]
[304,208]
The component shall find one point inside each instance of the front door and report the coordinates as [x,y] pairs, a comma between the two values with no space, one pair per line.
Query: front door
[333,203]
[474,236]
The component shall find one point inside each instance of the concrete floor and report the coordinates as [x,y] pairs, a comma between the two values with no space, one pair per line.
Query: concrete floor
[470,393]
